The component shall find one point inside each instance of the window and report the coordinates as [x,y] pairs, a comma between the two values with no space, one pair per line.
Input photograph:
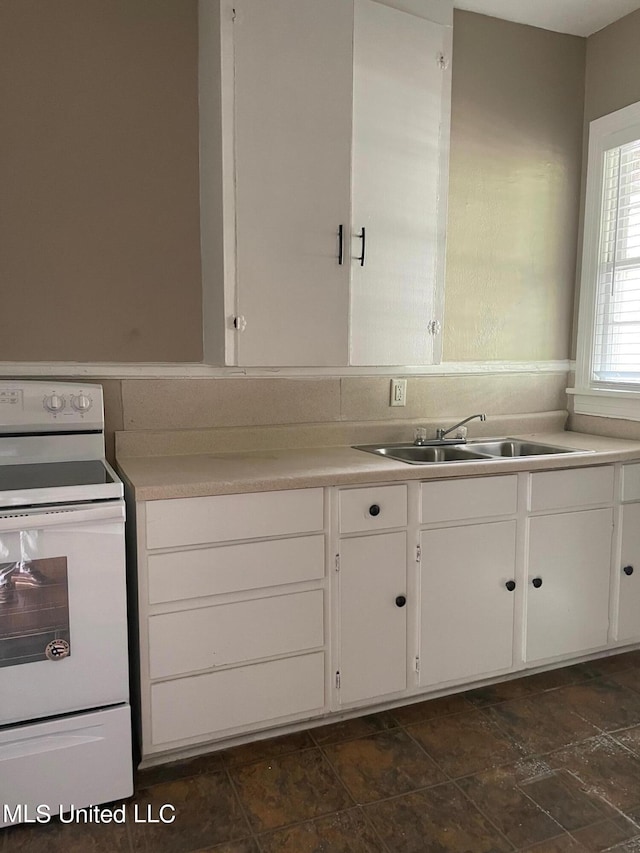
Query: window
[608,363]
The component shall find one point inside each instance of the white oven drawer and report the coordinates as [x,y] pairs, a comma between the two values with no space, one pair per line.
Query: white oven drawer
[79,761]
[221,518]
[234,633]
[203,705]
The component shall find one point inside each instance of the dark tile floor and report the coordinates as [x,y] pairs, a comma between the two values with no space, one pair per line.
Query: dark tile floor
[547,763]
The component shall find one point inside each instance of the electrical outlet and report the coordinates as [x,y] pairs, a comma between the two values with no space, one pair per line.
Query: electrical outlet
[398,395]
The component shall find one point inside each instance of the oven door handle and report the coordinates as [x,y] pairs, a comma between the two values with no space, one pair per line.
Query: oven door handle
[60,516]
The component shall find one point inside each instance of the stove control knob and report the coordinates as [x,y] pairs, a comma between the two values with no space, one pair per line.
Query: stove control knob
[81,403]
[54,403]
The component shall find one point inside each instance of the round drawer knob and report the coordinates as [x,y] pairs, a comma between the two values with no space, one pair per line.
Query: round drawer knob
[401,600]
[537,582]
[374,510]
[510,585]
[628,570]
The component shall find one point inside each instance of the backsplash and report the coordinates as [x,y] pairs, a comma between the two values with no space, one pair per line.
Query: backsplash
[176,404]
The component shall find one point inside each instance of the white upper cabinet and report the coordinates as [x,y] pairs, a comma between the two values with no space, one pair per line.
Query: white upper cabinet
[324,151]
[292,120]
[398,139]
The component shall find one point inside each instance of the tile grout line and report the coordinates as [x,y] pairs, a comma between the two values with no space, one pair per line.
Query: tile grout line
[269,757]
[359,806]
[452,781]
[577,682]
[258,835]
[489,820]
[497,765]
[356,737]
[564,835]
[274,830]
[563,829]
[243,811]
[598,732]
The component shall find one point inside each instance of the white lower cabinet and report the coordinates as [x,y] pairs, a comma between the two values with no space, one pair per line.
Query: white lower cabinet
[569,569]
[435,584]
[467,586]
[626,568]
[372,617]
[628,627]
[231,593]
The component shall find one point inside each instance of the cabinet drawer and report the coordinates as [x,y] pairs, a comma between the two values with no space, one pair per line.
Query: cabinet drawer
[373,509]
[234,633]
[195,521]
[457,500]
[233,568]
[577,487]
[203,705]
[631,482]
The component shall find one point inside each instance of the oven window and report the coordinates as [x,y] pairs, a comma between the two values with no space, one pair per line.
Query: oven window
[34,611]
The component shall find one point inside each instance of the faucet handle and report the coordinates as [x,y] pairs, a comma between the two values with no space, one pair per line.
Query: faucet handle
[420,435]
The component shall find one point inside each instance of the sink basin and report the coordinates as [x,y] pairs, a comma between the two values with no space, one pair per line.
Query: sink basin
[515,447]
[498,448]
[423,455]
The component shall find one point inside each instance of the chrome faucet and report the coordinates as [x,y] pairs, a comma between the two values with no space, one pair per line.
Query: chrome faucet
[440,433]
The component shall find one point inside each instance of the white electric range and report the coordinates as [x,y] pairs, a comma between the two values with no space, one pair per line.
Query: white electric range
[65,719]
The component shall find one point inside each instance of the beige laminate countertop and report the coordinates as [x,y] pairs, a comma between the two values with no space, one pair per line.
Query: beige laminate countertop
[162,477]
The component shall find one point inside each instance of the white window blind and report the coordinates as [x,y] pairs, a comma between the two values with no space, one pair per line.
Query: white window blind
[616,341]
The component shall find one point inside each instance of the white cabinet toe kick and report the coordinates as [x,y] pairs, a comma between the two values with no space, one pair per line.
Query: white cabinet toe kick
[265,613]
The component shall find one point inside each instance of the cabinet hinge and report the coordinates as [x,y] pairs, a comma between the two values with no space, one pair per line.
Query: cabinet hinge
[443,62]
[233,15]
[418,553]
[239,323]
[417,664]
[337,562]
[338,680]
[433,327]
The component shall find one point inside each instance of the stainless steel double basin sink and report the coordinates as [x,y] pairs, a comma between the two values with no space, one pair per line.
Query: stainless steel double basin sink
[499,448]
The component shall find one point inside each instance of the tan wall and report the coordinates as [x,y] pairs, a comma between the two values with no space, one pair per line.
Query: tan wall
[516,137]
[99,230]
[613,67]
[99,168]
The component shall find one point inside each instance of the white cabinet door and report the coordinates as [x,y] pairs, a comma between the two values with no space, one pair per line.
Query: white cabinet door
[466,607]
[293,72]
[302,128]
[629,600]
[568,583]
[372,618]
[400,129]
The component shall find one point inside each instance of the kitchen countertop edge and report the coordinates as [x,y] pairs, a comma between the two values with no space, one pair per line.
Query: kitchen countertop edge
[205,474]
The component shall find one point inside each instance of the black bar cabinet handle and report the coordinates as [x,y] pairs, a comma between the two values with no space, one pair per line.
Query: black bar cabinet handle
[340,244]
[362,236]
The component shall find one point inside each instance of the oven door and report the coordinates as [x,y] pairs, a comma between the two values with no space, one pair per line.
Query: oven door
[63,611]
